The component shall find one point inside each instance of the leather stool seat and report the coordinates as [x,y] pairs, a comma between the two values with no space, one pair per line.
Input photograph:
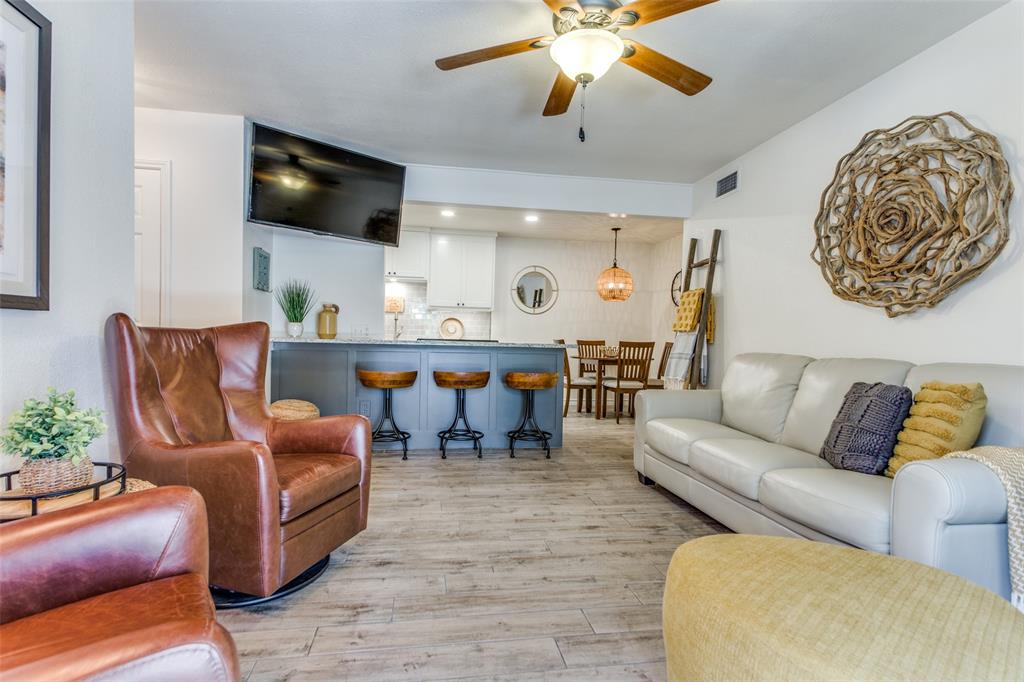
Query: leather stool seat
[446,379]
[531,381]
[386,379]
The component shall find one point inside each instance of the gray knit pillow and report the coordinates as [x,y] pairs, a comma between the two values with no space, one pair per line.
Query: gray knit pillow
[863,434]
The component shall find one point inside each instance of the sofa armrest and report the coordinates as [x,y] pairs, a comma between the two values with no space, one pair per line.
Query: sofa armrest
[951,514]
[238,481]
[73,554]
[345,434]
[706,405]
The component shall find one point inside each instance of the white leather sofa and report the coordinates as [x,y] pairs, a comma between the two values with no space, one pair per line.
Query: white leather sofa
[747,455]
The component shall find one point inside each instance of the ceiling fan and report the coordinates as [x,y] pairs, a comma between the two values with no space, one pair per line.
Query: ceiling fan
[587,44]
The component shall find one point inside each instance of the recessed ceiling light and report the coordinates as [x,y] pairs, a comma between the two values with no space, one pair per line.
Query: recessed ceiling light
[617,215]
[448,213]
[532,218]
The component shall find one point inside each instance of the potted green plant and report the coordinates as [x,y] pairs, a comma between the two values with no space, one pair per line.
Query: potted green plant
[52,436]
[296,300]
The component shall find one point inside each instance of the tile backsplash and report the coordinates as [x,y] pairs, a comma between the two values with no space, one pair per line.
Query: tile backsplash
[421,321]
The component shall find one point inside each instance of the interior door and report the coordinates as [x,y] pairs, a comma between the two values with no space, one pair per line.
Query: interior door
[149,238]
[478,272]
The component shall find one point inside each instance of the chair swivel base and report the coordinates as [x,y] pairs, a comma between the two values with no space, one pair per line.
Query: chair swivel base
[225,599]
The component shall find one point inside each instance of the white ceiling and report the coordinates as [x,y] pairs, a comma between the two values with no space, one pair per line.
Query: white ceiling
[363,72]
[511,222]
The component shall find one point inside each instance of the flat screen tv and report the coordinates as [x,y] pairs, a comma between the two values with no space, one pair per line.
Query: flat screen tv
[307,185]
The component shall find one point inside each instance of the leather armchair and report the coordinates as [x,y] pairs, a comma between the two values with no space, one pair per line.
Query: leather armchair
[191,410]
[114,589]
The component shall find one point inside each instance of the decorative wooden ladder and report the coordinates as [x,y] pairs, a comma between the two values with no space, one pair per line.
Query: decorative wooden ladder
[693,371]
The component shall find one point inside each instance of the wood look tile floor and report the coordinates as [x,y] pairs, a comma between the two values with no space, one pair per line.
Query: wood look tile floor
[496,569]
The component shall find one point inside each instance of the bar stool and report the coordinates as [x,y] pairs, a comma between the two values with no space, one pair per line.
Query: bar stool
[460,381]
[387,381]
[528,429]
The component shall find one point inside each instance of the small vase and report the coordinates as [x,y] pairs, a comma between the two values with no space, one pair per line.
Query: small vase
[51,474]
[294,329]
[327,322]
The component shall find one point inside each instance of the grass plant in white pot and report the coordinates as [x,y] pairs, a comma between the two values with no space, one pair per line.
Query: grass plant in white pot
[296,300]
[52,436]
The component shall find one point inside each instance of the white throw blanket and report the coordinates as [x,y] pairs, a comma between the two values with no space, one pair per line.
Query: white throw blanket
[1008,465]
[679,361]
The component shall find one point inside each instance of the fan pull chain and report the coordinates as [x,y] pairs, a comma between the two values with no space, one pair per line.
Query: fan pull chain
[583,112]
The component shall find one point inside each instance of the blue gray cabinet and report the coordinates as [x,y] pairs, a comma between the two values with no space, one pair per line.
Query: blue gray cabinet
[324,373]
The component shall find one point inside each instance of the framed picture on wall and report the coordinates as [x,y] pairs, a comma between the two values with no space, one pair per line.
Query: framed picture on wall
[24,157]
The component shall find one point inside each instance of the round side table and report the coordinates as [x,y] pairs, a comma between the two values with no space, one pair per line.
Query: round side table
[17,504]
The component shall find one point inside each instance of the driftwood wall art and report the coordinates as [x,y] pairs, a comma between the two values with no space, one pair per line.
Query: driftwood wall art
[913,212]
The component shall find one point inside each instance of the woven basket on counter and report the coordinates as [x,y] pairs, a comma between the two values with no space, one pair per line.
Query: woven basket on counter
[52,474]
[294,410]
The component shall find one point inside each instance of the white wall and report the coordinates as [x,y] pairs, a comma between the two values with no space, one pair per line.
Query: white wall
[481,187]
[91,223]
[348,273]
[207,153]
[666,260]
[773,297]
[579,312]
[256,305]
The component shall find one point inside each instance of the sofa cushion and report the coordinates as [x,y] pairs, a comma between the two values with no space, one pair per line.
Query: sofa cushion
[846,505]
[823,387]
[1004,386]
[739,463]
[309,480]
[673,436]
[757,392]
[945,418]
[863,434]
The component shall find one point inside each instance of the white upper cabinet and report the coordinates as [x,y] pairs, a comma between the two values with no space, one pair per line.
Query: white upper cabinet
[461,271]
[411,258]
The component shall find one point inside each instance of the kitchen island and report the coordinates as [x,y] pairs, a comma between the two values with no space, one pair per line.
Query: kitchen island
[324,373]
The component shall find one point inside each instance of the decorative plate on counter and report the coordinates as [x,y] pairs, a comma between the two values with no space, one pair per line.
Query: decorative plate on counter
[452,328]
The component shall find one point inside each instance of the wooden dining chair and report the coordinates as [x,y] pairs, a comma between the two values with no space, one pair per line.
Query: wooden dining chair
[584,386]
[589,350]
[659,381]
[634,368]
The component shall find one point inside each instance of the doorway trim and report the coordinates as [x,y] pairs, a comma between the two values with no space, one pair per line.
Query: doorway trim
[164,168]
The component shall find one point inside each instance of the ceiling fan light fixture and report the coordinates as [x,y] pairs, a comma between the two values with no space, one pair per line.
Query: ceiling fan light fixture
[586,54]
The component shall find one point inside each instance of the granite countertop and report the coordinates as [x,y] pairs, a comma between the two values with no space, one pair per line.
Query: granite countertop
[369,341]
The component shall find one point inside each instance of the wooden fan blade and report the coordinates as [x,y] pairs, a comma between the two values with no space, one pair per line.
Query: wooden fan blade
[561,95]
[652,10]
[668,71]
[556,6]
[488,53]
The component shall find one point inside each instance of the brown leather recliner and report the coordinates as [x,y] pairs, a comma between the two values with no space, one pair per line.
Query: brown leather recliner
[191,410]
[115,589]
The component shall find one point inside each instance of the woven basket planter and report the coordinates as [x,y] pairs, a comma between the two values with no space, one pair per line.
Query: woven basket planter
[52,474]
[294,410]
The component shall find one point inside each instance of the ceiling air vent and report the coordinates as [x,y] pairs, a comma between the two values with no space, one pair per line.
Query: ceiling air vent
[727,184]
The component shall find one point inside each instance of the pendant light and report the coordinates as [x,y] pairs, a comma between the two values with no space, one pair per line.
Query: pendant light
[615,284]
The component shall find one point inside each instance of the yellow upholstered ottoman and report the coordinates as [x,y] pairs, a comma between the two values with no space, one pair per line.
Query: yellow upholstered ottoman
[743,607]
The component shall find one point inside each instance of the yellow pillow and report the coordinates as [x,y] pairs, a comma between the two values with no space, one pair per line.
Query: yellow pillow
[688,313]
[944,418]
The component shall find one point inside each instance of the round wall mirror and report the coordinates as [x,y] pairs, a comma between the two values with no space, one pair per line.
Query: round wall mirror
[534,290]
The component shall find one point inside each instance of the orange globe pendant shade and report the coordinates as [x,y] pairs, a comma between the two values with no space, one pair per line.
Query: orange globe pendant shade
[615,284]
